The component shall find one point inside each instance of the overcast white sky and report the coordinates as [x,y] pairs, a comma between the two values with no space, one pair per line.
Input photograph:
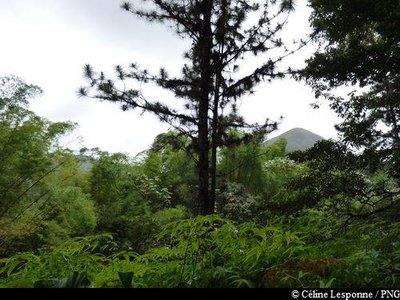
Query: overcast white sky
[47,43]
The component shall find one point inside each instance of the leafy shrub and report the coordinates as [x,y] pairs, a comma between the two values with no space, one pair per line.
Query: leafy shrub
[81,255]
[301,273]
[213,251]
[210,252]
[201,252]
[236,204]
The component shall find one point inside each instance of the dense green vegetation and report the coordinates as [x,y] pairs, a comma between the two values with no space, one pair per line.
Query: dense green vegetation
[106,217]
[325,217]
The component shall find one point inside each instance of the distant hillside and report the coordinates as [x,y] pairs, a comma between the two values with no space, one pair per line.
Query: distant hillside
[297,139]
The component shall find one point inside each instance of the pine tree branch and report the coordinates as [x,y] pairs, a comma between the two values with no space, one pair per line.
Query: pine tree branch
[172,14]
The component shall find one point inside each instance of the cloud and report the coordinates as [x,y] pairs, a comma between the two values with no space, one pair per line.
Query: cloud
[47,42]
[111,25]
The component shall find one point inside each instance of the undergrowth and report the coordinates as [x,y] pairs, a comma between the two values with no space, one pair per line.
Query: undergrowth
[216,252]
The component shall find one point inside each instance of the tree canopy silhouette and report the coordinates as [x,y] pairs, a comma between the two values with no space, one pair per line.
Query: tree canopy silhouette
[359,46]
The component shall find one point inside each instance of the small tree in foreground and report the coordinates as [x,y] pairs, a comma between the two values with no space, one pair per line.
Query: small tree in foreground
[223,34]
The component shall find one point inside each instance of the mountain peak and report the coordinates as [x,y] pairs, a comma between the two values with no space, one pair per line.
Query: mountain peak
[297,139]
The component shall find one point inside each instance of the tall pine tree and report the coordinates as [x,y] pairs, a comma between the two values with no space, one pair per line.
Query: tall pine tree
[223,34]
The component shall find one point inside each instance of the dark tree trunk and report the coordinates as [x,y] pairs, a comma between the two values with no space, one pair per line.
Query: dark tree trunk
[214,141]
[205,49]
[214,148]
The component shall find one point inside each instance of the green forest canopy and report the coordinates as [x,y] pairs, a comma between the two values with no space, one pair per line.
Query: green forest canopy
[325,217]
